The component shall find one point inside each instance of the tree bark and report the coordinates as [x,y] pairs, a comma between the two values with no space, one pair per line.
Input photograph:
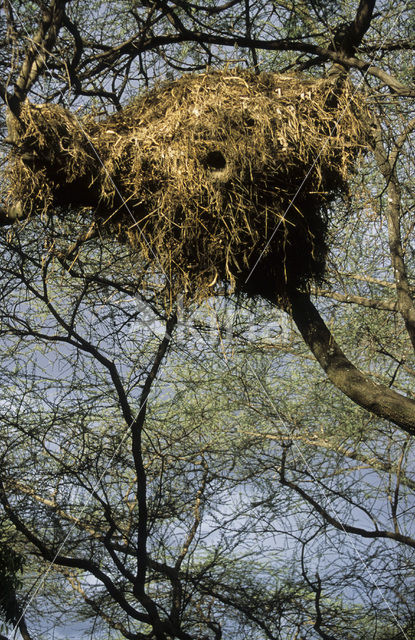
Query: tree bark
[375,398]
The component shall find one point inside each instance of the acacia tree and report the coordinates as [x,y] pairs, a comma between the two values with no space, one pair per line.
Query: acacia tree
[94,66]
[169,518]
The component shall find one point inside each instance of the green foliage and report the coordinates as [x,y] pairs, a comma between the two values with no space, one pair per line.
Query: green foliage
[214,451]
[11,565]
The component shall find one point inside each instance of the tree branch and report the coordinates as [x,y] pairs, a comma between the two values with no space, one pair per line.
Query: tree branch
[319,618]
[354,35]
[66,561]
[349,298]
[387,167]
[136,45]
[337,524]
[136,429]
[39,49]
[375,398]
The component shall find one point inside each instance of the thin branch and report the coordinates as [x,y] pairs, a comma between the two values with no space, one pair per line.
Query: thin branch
[370,303]
[319,618]
[387,167]
[333,521]
[138,44]
[136,430]
[77,563]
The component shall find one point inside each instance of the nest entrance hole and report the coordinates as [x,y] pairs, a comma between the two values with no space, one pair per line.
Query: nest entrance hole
[215,160]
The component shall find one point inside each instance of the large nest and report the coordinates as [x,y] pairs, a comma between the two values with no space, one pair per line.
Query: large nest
[219,177]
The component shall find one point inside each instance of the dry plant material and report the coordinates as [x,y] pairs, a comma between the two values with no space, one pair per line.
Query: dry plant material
[219,177]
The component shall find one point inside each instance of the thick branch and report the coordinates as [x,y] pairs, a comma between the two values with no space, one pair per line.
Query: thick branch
[358,27]
[41,45]
[377,399]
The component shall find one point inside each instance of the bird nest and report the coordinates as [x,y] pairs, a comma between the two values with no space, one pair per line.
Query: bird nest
[220,177]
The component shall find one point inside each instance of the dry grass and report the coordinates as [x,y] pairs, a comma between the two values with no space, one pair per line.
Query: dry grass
[217,170]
